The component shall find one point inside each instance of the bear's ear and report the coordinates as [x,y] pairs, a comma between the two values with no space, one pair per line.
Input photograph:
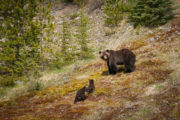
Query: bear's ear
[107,50]
[99,52]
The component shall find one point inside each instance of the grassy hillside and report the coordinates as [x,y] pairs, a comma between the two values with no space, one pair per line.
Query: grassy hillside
[151,92]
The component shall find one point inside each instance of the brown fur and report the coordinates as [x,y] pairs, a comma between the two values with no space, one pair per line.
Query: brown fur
[91,86]
[119,57]
[80,95]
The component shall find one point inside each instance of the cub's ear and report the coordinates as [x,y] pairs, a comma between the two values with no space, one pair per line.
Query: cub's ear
[99,52]
[107,50]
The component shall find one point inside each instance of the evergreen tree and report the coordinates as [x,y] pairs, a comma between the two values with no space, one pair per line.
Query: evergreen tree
[151,13]
[82,36]
[115,9]
[66,47]
[21,26]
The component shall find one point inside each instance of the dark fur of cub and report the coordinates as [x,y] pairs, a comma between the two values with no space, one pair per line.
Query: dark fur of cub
[119,57]
[91,86]
[80,95]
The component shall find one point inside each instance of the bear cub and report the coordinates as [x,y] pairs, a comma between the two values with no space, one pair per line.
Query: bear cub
[80,95]
[91,86]
[119,57]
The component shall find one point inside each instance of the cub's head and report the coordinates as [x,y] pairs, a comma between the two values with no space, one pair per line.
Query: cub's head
[104,55]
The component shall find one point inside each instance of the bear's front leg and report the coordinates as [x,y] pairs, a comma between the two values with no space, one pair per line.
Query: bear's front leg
[111,71]
[112,68]
[109,68]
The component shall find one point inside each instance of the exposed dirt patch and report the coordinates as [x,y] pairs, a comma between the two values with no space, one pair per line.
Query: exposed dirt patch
[168,104]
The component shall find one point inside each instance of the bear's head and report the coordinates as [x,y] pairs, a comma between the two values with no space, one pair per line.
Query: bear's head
[104,55]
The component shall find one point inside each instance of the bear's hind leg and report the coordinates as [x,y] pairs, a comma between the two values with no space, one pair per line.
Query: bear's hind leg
[128,68]
[83,97]
[132,67]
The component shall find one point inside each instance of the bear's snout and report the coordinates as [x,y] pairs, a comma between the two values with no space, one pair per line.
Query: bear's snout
[104,57]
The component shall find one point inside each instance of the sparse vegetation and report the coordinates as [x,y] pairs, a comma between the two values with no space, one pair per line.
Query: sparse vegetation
[109,32]
[81,2]
[75,15]
[34,86]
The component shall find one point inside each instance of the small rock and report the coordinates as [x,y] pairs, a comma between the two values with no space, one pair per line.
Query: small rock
[75,67]
[150,32]
[128,24]
[160,28]
[152,39]
[77,18]
[177,32]
[131,105]
[19,82]
[157,37]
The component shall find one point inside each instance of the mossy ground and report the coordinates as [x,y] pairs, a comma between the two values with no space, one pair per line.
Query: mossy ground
[145,94]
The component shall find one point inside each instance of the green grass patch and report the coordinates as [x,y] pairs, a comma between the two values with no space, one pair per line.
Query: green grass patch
[3,91]
[34,86]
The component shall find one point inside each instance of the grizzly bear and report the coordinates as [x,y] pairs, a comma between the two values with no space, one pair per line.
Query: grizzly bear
[80,95]
[91,86]
[119,57]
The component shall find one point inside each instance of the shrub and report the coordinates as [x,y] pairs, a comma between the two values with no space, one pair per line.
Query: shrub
[3,92]
[82,36]
[73,16]
[109,32]
[115,9]
[6,81]
[34,86]
[151,13]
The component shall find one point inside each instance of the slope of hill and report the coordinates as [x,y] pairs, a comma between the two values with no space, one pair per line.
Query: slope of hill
[151,92]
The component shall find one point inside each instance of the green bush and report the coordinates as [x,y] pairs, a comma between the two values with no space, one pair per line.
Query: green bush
[6,81]
[73,16]
[3,92]
[34,86]
[109,31]
[57,62]
[151,13]
[115,10]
